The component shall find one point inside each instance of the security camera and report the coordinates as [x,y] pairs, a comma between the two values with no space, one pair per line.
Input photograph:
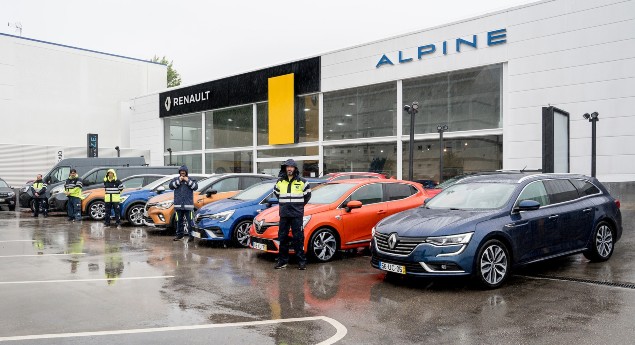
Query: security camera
[586,116]
[406,107]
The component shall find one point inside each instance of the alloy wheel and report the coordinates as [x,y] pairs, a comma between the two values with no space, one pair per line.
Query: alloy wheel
[604,240]
[493,264]
[324,245]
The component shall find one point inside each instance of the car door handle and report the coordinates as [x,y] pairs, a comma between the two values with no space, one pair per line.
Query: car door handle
[554,216]
[381,212]
[587,210]
[513,225]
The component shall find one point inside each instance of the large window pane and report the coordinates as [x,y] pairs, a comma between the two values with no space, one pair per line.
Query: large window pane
[289,152]
[228,162]
[183,133]
[308,168]
[362,112]
[459,156]
[194,162]
[381,158]
[464,100]
[308,118]
[229,128]
[262,116]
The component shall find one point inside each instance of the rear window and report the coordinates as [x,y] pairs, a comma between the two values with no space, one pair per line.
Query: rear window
[560,191]
[585,188]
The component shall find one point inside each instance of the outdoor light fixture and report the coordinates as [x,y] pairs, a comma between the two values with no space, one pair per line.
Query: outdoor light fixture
[593,118]
[117,148]
[170,151]
[412,109]
[441,129]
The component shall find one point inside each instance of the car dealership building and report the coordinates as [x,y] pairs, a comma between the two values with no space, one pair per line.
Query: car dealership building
[510,86]
[507,89]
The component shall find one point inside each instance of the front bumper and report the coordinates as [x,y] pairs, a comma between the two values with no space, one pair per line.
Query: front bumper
[426,260]
[161,218]
[212,233]
[7,200]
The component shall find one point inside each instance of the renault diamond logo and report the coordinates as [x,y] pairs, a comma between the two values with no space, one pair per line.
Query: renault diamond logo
[168,103]
[392,240]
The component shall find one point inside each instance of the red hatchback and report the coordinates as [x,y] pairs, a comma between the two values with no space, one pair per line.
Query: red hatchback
[340,215]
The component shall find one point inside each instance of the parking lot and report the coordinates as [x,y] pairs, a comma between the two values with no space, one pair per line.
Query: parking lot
[65,283]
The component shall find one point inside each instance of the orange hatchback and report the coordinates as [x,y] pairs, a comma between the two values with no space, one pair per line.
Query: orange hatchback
[340,215]
[160,209]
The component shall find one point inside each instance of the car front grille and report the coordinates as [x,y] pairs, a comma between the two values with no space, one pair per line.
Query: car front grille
[262,226]
[3,195]
[403,246]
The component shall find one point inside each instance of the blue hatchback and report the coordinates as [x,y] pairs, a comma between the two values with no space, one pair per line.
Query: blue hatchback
[230,219]
[483,226]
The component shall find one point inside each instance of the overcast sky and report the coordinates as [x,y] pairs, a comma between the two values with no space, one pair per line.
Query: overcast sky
[212,39]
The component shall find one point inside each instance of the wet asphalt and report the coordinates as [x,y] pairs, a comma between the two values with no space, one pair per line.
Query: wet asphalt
[81,283]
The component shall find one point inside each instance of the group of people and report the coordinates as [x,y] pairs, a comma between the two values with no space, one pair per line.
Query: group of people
[292,191]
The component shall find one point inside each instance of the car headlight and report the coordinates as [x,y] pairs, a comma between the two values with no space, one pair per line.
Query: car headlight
[57,189]
[11,194]
[451,240]
[372,232]
[123,198]
[165,204]
[305,220]
[221,216]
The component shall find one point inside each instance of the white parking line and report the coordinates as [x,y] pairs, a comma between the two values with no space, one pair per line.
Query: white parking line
[29,255]
[18,241]
[82,280]
[339,334]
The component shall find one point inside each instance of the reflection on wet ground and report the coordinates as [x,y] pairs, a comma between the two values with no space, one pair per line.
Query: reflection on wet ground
[60,277]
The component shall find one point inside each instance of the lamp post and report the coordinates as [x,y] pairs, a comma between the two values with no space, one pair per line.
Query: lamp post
[593,118]
[117,148]
[441,129]
[412,109]
[170,151]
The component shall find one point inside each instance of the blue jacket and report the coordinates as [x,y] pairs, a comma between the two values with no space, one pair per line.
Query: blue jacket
[183,191]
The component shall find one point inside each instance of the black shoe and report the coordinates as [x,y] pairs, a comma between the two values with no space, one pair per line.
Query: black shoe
[190,238]
[280,266]
[178,238]
[302,266]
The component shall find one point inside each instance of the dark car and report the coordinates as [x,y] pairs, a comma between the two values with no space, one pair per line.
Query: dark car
[7,195]
[483,226]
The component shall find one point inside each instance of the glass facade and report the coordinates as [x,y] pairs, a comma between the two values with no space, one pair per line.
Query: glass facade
[362,112]
[463,100]
[466,100]
[381,158]
[461,155]
[194,162]
[183,133]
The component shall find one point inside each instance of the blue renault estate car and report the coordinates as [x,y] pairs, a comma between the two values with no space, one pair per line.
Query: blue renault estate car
[484,226]
[230,219]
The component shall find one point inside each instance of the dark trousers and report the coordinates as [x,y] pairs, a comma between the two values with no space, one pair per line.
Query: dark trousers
[295,223]
[112,206]
[181,217]
[74,208]
[37,203]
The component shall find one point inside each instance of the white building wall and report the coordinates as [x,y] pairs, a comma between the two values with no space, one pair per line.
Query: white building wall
[146,127]
[576,55]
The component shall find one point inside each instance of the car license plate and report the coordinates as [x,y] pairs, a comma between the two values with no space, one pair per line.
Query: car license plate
[392,268]
[196,234]
[260,246]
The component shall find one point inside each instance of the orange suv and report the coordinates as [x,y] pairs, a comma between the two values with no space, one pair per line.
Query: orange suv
[160,209]
[340,215]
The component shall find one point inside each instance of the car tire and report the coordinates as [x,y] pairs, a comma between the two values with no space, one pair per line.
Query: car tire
[97,210]
[603,243]
[240,234]
[493,264]
[323,245]
[135,214]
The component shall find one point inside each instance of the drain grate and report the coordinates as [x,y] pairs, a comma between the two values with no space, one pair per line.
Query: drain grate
[588,281]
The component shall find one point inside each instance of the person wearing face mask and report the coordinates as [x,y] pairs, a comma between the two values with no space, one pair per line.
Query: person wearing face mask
[184,188]
[73,190]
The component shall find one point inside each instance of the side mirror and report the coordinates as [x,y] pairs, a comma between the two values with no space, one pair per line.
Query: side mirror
[353,204]
[272,201]
[527,205]
[210,193]
[48,180]
[160,189]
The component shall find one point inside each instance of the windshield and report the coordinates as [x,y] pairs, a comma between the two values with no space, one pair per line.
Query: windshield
[451,181]
[480,195]
[3,184]
[328,193]
[155,184]
[254,192]
[206,183]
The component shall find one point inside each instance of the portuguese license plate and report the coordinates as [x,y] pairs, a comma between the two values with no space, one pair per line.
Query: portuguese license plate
[392,268]
[259,246]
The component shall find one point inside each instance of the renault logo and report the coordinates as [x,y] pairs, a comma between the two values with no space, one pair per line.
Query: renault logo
[168,103]
[392,240]
[259,224]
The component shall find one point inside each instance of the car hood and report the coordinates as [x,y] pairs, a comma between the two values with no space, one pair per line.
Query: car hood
[421,222]
[273,214]
[225,205]
[5,189]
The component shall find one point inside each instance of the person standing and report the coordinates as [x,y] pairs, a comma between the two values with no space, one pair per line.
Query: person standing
[38,189]
[113,187]
[293,192]
[73,190]
[184,188]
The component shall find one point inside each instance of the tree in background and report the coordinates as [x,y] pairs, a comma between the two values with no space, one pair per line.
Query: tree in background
[174,79]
